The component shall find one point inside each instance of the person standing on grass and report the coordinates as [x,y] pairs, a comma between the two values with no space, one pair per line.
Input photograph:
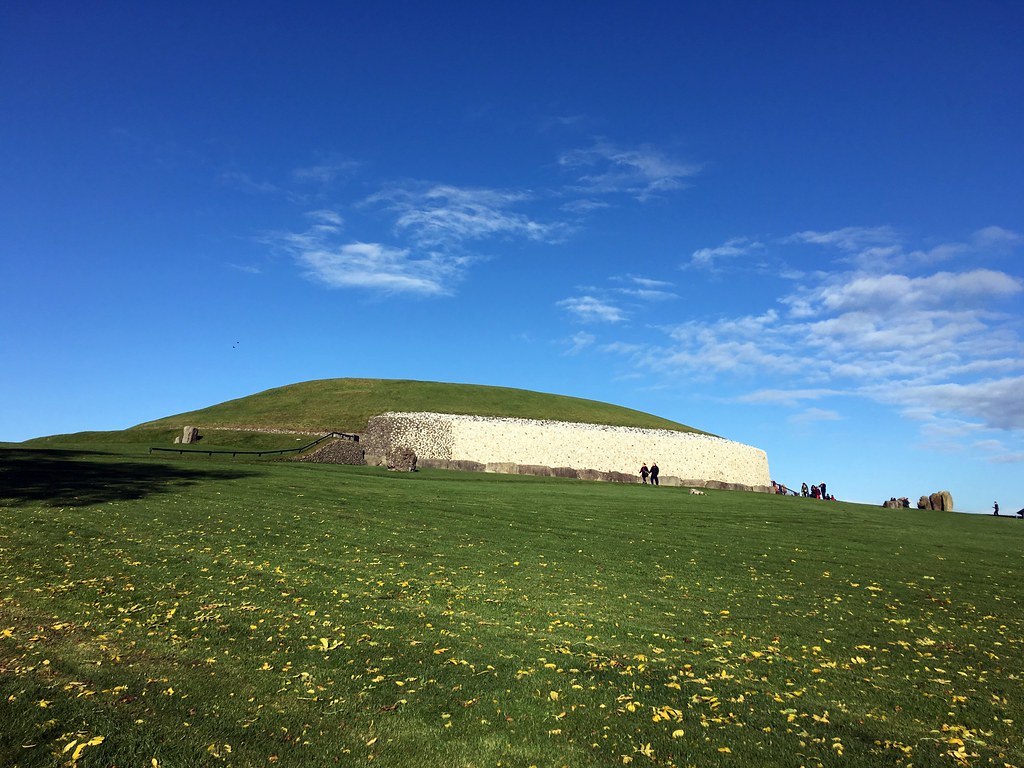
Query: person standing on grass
[654,473]
[995,508]
[644,472]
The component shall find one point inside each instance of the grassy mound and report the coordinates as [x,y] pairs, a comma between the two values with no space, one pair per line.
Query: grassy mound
[347,404]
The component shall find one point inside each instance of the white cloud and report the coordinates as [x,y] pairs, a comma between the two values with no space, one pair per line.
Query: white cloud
[1008,458]
[898,293]
[325,259]
[650,283]
[789,397]
[584,206]
[326,172]
[590,309]
[850,239]
[943,347]
[648,294]
[996,403]
[326,217]
[880,249]
[993,236]
[642,172]
[579,342]
[378,267]
[249,269]
[246,183]
[447,216]
[707,258]
[989,445]
[814,415]
[623,348]
[645,289]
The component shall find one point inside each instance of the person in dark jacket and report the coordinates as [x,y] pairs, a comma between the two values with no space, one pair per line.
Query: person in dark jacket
[654,473]
[644,472]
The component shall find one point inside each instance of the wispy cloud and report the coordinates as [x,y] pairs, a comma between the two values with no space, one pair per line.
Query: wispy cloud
[616,303]
[246,183]
[325,258]
[584,206]
[642,172]
[1008,458]
[249,269]
[378,267]
[897,293]
[326,218]
[995,403]
[789,397]
[882,248]
[439,229]
[589,309]
[814,415]
[708,258]
[994,237]
[646,289]
[326,172]
[941,346]
[579,342]
[443,215]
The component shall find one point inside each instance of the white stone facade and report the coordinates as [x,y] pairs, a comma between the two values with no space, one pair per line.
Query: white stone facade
[527,445]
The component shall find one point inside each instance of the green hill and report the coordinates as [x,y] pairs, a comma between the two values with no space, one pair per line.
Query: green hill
[347,404]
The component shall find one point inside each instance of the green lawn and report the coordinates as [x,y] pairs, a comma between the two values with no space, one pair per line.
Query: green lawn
[186,611]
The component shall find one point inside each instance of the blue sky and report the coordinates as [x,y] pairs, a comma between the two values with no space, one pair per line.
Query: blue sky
[796,225]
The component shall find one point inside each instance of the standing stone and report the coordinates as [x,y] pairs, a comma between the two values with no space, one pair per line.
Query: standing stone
[947,500]
[923,503]
[189,435]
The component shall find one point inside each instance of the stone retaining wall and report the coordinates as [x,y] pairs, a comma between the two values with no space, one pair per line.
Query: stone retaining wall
[335,452]
[564,449]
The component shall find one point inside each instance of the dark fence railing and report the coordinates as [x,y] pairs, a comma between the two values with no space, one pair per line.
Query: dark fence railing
[307,446]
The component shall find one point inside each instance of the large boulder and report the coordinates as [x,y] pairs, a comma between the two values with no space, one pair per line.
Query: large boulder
[941,501]
[533,469]
[190,435]
[567,472]
[402,459]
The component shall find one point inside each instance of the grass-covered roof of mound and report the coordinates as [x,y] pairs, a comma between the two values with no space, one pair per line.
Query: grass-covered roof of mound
[347,404]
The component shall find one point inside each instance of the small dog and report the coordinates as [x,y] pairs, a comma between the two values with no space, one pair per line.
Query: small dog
[695,492]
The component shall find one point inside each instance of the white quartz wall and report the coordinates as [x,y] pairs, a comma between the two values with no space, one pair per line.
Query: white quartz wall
[493,441]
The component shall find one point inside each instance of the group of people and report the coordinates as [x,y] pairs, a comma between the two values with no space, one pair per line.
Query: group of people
[649,473]
[779,488]
[816,492]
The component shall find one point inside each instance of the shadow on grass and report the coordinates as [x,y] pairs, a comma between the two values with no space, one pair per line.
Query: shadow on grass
[81,478]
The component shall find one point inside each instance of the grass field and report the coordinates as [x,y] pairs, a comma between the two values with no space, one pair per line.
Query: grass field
[191,611]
